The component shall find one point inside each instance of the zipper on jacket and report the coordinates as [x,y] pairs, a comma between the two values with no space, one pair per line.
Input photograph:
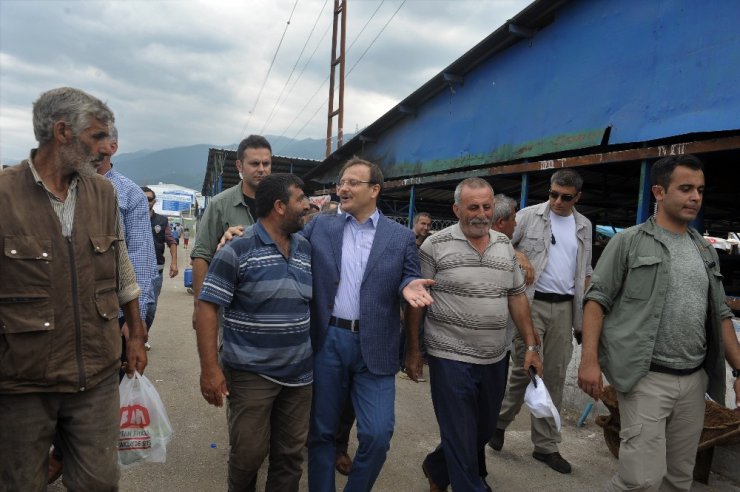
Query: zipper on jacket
[76,307]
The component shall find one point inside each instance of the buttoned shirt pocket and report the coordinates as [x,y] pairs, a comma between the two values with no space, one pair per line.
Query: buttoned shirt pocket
[641,276]
[533,241]
[104,247]
[26,265]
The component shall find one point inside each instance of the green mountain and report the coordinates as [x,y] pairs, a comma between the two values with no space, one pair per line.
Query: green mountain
[186,166]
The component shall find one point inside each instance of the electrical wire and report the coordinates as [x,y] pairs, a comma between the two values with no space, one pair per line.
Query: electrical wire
[352,43]
[264,82]
[346,75]
[292,70]
[375,38]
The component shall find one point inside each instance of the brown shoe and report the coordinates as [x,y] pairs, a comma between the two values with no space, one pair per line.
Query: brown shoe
[343,463]
[433,487]
[55,469]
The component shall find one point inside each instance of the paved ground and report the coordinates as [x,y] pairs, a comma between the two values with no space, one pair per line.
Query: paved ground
[197,455]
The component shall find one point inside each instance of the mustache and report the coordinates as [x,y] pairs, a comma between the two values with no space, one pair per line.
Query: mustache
[480,222]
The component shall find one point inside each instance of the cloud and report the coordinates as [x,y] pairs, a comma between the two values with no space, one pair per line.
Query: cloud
[186,72]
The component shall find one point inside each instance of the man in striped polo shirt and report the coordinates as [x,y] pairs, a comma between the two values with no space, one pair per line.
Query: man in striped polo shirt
[478,283]
[263,280]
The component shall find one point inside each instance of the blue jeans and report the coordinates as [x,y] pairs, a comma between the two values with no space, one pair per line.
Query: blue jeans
[467,400]
[339,369]
[151,308]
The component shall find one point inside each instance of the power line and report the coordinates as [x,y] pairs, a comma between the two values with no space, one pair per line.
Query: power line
[277,101]
[349,72]
[298,115]
[375,38]
[264,82]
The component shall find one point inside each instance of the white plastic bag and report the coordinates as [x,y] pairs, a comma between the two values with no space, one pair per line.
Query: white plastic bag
[537,398]
[145,429]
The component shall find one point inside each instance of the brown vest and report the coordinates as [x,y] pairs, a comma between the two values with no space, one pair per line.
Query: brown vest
[58,297]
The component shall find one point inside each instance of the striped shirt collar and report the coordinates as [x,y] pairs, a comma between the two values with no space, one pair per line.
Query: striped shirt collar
[373,219]
[37,178]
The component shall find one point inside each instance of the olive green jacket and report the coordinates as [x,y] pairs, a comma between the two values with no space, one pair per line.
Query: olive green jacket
[224,210]
[630,283]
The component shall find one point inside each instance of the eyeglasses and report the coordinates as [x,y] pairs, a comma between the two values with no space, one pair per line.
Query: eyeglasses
[566,198]
[351,182]
[150,199]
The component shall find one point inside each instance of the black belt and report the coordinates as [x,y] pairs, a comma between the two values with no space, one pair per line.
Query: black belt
[352,325]
[676,372]
[552,297]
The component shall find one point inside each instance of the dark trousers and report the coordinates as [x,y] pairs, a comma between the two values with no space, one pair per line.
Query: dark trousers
[86,425]
[467,399]
[265,418]
[346,421]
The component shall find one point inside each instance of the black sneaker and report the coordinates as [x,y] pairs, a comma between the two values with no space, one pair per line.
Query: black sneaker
[553,460]
[497,441]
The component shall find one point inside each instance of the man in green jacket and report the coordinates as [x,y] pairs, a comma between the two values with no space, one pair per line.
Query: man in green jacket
[655,313]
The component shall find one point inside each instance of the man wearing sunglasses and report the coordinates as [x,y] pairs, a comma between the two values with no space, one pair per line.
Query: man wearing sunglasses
[557,241]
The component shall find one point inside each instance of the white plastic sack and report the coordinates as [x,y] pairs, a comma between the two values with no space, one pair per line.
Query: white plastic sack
[145,429]
[539,402]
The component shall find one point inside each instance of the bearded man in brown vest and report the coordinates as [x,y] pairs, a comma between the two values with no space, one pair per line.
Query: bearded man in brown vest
[65,271]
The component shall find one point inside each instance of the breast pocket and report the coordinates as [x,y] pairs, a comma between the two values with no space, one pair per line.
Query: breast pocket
[641,276]
[532,242]
[104,247]
[26,265]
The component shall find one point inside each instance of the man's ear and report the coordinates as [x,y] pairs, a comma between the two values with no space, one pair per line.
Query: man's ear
[62,132]
[658,192]
[280,207]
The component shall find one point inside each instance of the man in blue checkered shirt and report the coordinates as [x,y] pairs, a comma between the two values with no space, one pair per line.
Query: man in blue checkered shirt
[137,229]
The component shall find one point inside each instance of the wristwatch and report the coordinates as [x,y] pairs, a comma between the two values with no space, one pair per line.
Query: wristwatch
[533,348]
[736,373]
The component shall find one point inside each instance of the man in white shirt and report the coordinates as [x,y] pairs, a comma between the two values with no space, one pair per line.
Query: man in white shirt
[557,241]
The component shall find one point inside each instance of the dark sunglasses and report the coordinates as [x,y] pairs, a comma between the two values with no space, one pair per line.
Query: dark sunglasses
[150,199]
[566,198]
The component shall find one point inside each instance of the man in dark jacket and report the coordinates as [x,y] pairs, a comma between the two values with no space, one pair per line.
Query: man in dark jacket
[162,237]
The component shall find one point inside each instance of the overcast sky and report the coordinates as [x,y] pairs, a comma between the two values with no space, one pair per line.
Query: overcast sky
[189,72]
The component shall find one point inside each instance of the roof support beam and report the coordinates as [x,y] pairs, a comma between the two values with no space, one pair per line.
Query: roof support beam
[521,31]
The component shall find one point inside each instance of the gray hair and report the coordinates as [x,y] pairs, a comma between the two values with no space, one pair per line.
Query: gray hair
[113,133]
[505,206]
[73,106]
[567,177]
[471,183]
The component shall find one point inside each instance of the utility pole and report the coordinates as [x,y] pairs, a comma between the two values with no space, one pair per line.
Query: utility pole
[340,9]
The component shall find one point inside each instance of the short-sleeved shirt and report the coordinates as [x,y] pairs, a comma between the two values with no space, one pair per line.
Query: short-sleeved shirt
[467,321]
[265,298]
[224,210]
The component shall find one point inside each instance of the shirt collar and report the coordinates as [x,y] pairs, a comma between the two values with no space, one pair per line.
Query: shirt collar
[238,195]
[262,233]
[72,183]
[373,219]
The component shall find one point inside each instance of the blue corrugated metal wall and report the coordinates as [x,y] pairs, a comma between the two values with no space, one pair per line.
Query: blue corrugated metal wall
[647,69]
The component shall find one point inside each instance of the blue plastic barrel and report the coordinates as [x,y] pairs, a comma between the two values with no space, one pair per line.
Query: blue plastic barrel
[188,278]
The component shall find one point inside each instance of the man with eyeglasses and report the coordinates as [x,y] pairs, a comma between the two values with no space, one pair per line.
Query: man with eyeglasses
[557,241]
[162,237]
[362,264]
